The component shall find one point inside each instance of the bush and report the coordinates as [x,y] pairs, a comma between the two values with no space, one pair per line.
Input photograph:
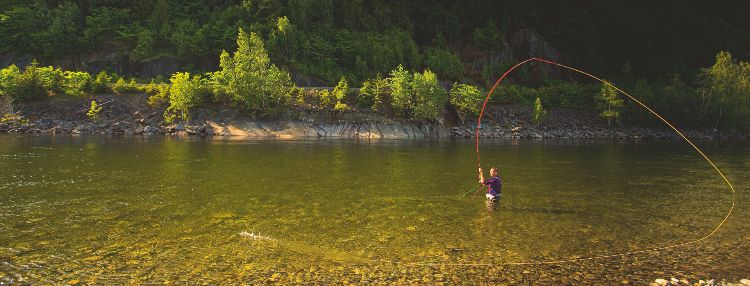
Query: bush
[298,95]
[101,82]
[467,98]
[77,83]
[53,80]
[327,98]
[401,94]
[429,96]
[184,94]
[444,63]
[8,77]
[371,93]
[609,103]
[121,86]
[158,94]
[249,79]
[25,86]
[539,113]
[341,90]
[94,111]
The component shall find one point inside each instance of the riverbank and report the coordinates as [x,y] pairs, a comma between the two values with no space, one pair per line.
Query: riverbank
[130,114]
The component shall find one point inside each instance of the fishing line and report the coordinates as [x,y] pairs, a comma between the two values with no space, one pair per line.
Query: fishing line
[655,249]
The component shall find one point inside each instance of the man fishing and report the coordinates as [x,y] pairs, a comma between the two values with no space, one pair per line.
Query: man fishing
[494,184]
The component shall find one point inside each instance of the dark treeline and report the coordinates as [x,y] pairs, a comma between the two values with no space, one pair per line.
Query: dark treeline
[667,52]
[326,39]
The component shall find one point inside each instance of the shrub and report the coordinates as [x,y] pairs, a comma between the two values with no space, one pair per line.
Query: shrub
[8,77]
[444,63]
[298,95]
[184,94]
[400,86]
[371,93]
[539,113]
[121,86]
[25,86]
[94,111]
[467,98]
[159,94]
[53,80]
[327,98]
[429,96]
[101,82]
[609,103]
[249,79]
[77,83]
[341,90]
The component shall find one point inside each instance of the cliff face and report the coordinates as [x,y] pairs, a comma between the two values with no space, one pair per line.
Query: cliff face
[129,115]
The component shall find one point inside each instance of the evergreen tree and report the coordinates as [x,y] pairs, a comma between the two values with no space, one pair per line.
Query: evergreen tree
[609,103]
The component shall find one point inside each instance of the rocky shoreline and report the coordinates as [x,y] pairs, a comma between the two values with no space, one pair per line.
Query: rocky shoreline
[130,115]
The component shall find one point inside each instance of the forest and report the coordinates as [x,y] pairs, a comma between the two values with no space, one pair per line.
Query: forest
[688,59]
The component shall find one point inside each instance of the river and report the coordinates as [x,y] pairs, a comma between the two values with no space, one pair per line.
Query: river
[133,210]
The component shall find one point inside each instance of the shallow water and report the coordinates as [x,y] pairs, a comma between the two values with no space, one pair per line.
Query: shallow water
[155,209]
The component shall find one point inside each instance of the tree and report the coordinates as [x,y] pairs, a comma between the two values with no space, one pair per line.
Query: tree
[249,79]
[444,62]
[101,82]
[77,83]
[725,87]
[25,86]
[539,113]
[609,103]
[371,93]
[467,98]
[94,111]
[184,94]
[429,96]
[401,90]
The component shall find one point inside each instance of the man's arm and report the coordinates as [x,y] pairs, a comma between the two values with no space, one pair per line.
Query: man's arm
[481,176]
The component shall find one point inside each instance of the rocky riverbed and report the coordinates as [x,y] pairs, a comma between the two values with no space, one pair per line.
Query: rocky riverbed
[130,115]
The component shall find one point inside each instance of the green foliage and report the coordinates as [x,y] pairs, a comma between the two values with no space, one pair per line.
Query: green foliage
[52,79]
[371,93]
[327,98]
[101,82]
[725,88]
[341,107]
[23,86]
[539,113]
[122,87]
[145,45]
[609,103]
[400,85]
[158,94]
[467,98]
[8,78]
[184,94]
[77,83]
[298,95]
[341,90]
[94,111]
[102,25]
[429,96]
[249,79]
[444,63]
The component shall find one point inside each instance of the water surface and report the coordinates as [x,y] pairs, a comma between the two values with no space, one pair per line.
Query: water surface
[154,209]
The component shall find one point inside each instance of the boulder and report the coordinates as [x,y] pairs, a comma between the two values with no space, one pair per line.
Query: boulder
[120,126]
[150,130]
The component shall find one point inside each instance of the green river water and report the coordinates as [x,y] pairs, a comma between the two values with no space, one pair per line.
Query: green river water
[133,210]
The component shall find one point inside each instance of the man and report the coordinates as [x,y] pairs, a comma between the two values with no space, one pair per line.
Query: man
[494,184]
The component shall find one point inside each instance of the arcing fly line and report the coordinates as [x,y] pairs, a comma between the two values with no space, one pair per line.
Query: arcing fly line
[721,174]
